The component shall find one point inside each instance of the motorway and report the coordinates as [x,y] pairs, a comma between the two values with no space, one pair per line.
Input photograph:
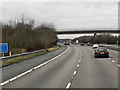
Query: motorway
[76,68]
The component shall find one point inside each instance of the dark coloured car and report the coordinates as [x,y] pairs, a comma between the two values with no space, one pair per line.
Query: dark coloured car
[82,44]
[66,43]
[101,52]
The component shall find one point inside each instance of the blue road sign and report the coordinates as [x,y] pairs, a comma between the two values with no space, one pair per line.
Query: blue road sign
[3,47]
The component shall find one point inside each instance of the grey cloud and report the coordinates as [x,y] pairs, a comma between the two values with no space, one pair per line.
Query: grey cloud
[66,14]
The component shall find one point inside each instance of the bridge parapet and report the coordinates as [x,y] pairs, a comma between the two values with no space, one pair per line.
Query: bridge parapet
[87,31]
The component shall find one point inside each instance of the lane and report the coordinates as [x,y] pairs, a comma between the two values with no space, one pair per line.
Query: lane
[55,74]
[92,72]
[18,68]
[114,55]
[95,72]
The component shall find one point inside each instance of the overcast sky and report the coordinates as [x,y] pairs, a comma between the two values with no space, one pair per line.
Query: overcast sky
[64,13]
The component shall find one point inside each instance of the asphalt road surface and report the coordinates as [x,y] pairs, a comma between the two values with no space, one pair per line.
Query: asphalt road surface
[76,68]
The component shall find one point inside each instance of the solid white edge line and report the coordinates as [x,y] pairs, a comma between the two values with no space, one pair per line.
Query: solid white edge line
[19,76]
[4,83]
[22,74]
[68,85]
[12,79]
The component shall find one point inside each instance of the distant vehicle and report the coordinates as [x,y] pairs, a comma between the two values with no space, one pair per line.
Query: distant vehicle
[82,44]
[91,44]
[77,42]
[101,52]
[73,43]
[66,43]
[95,46]
[88,44]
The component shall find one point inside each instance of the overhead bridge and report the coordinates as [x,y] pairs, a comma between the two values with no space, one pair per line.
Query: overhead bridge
[88,31]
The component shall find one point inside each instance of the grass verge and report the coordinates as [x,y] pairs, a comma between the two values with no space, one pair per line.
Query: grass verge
[26,57]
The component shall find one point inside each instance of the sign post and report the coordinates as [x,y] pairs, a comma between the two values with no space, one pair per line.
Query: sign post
[3,48]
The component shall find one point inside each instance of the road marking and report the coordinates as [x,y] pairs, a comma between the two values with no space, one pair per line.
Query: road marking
[74,72]
[68,86]
[113,61]
[80,58]
[22,74]
[37,67]
[4,82]
[79,61]
[109,58]
[12,79]
[118,65]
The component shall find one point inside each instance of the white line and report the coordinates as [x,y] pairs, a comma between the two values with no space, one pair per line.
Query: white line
[4,83]
[12,79]
[113,61]
[68,86]
[118,65]
[78,65]
[22,74]
[74,72]
[79,61]
[19,76]
[37,67]
[109,58]
[42,64]
[29,71]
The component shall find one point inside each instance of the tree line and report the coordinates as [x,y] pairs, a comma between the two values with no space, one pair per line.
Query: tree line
[26,35]
[101,38]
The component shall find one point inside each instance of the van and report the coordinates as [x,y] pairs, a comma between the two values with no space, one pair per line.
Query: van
[95,46]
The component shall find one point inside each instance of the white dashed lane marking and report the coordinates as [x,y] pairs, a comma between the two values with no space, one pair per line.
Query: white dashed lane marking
[78,65]
[118,65]
[113,61]
[4,82]
[74,72]
[68,86]
[79,61]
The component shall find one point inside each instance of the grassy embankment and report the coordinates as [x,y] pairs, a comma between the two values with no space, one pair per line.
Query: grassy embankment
[26,57]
